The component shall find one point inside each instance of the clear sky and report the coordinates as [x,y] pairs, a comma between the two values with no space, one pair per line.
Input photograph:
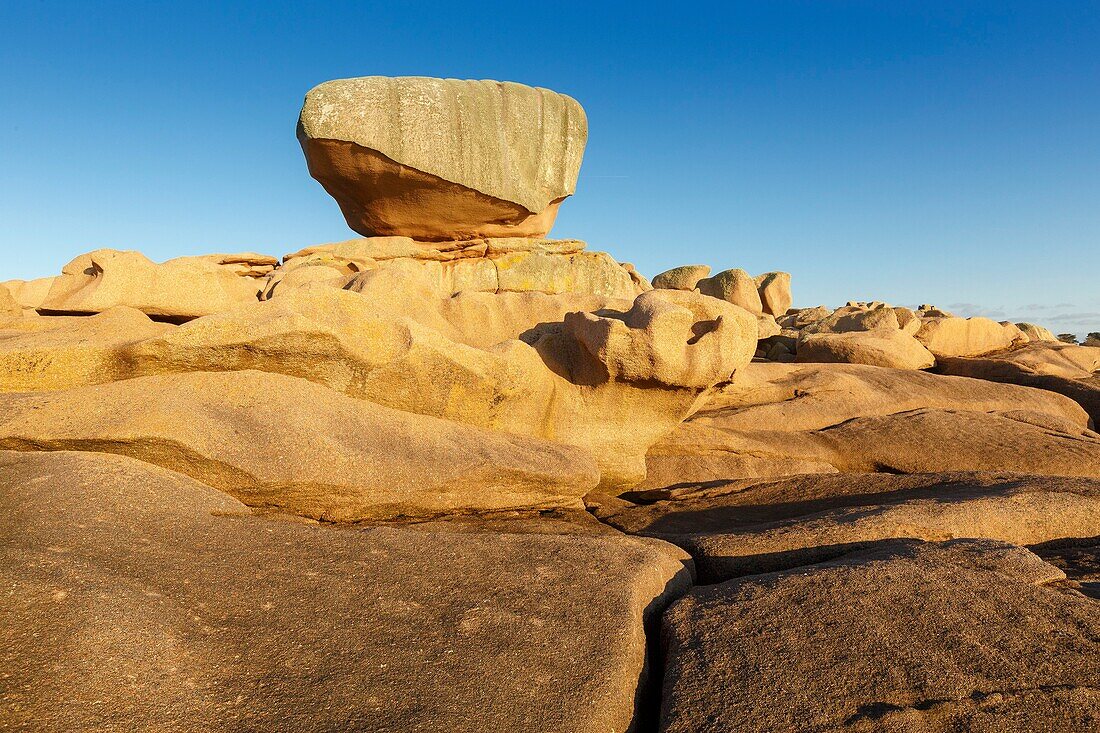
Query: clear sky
[943,152]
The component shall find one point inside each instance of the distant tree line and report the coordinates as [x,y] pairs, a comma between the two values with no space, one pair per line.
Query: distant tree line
[1093,339]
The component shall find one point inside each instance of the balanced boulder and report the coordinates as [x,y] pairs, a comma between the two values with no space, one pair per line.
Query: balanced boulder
[443,159]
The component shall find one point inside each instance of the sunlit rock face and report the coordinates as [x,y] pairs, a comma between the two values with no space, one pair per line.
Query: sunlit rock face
[443,159]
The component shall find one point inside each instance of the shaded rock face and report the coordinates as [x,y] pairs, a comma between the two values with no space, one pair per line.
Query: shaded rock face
[901,641]
[734,529]
[443,159]
[286,443]
[148,601]
[9,307]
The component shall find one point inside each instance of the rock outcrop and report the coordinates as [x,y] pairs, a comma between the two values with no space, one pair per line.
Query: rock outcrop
[513,264]
[881,347]
[279,442]
[1037,333]
[9,307]
[1073,371]
[685,277]
[733,286]
[38,354]
[964,336]
[29,293]
[612,383]
[735,530]
[177,290]
[390,483]
[443,159]
[148,601]
[775,292]
[785,419]
[901,639]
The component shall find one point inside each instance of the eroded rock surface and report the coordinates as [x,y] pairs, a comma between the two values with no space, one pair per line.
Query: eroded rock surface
[740,528]
[1073,371]
[495,265]
[894,638]
[281,442]
[784,419]
[147,601]
[890,348]
[443,159]
[177,290]
[59,352]
[614,399]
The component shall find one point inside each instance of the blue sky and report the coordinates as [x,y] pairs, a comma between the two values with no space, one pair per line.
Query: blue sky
[905,151]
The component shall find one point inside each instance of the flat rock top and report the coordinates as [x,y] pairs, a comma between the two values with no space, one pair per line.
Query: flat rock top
[147,601]
[958,636]
[510,141]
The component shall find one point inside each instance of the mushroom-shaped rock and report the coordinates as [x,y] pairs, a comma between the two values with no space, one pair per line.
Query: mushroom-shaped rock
[443,159]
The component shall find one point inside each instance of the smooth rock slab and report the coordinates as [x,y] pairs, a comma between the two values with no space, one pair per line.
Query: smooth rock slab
[1073,371]
[146,601]
[963,336]
[732,530]
[961,636]
[919,441]
[277,441]
[882,347]
[785,419]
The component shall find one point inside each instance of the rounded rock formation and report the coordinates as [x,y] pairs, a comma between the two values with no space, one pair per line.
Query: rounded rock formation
[443,159]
